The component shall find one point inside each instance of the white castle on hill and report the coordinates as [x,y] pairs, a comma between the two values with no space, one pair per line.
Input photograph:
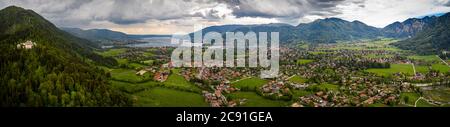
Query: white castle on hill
[27,45]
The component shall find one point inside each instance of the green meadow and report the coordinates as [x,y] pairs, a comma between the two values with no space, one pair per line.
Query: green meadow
[304,61]
[297,79]
[300,93]
[251,83]
[409,98]
[429,58]
[128,75]
[164,97]
[132,88]
[324,87]
[178,81]
[422,69]
[112,52]
[395,68]
[441,68]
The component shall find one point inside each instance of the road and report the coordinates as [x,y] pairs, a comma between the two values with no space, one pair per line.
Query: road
[415,103]
[443,61]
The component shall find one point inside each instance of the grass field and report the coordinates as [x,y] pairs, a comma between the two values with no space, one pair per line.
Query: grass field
[136,65]
[297,79]
[422,69]
[112,52]
[409,98]
[300,93]
[429,58]
[122,61]
[254,100]
[148,54]
[440,67]
[164,97]
[178,81]
[395,68]
[381,44]
[132,87]
[148,62]
[304,61]
[128,75]
[324,87]
[251,83]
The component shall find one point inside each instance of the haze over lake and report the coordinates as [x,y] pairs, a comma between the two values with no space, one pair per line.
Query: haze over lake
[153,42]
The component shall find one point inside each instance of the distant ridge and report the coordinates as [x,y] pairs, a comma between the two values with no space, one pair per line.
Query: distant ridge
[433,39]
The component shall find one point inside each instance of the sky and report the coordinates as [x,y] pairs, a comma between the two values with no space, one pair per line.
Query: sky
[180,16]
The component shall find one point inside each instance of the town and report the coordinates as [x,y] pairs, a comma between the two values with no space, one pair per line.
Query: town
[362,74]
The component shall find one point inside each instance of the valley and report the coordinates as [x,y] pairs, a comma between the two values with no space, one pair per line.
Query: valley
[367,73]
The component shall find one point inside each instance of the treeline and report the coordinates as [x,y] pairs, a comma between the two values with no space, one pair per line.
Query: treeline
[57,71]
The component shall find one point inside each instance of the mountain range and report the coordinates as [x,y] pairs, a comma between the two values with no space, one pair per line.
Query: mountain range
[408,28]
[425,35]
[332,30]
[433,38]
[102,37]
[329,30]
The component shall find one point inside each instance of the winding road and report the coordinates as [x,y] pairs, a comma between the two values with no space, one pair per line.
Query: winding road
[443,60]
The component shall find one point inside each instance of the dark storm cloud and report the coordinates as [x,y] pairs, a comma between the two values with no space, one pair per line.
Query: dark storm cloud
[448,4]
[124,12]
[115,11]
[287,8]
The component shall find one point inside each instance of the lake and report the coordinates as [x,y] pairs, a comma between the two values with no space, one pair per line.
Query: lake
[153,42]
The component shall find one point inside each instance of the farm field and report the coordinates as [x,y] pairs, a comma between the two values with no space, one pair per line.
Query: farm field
[128,75]
[297,79]
[304,61]
[441,68]
[112,52]
[300,93]
[132,88]
[178,81]
[395,68]
[164,97]
[422,69]
[409,98]
[250,83]
[429,58]
[324,87]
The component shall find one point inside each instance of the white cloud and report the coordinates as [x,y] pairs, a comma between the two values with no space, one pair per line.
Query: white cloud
[380,13]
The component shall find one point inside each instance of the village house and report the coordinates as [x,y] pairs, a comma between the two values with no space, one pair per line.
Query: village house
[26,45]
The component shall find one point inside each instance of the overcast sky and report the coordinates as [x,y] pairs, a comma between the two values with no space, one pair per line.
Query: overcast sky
[171,16]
